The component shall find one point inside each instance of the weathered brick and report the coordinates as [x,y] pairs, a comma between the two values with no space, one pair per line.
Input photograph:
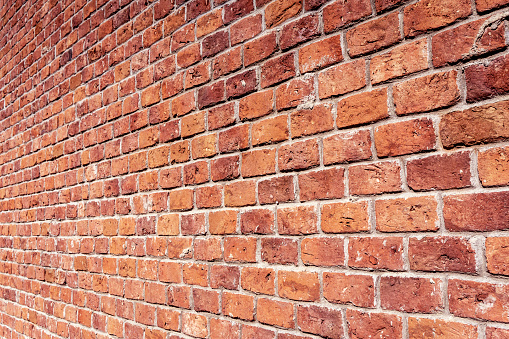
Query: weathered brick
[416,214]
[419,95]
[258,280]
[341,13]
[420,295]
[295,92]
[326,184]
[320,54]
[381,177]
[297,220]
[298,155]
[311,121]
[401,60]
[420,328]
[260,48]
[259,221]
[487,80]
[493,166]
[469,299]
[270,130]
[427,15]
[322,321]
[238,306]
[246,29]
[348,217]
[342,79]
[281,10]
[301,30]
[362,108]
[256,105]
[461,42]
[405,137]
[496,255]
[439,172]
[443,254]
[234,139]
[276,313]
[298,285]
[376,253]
[322,252]
[277,69]
[355,289]
[347,147]
[276,190]
[481,124]
[370,324]
[373,35]
[279,251]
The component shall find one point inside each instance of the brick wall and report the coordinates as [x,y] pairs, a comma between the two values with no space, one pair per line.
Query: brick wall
[254,169]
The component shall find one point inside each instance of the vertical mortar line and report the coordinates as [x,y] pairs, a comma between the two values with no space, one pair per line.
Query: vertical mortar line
[474,169]
[401,20]
[344,45]
[462,85]
[429,47]
[391,108]
[405,330]
[345,323]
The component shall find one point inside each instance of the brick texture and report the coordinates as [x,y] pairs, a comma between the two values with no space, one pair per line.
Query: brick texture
[280,169]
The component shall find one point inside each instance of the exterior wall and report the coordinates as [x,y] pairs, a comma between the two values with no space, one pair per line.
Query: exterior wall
[254,169]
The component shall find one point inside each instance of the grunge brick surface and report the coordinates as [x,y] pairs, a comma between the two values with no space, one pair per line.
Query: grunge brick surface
[251,169]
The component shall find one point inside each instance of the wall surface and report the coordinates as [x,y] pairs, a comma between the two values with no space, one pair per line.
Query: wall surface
[254,169]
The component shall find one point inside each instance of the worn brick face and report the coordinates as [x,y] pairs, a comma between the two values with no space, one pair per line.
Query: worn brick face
[272,169]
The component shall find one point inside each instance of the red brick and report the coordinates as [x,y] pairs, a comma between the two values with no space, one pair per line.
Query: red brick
[295,92]
[326,184]
[258,280]
[206,301]
[256,332]
[194,325]
[401,60]
[197,7]
[241,84]
[209,196]
[442,254]
[237,9]
[362,108]
[256,105]
[405,137]
[281,10]
[320,54]
[481,124]
[258,221]
[227,62]
[493,166]
[197,75]
[223,222]
[240,193]
[478,300]
[260,48]
[172,86]
[492,333]
[370,324]
[234,139]
[347,147]
[297,220]
[183,104]
[181,199]
[245,29]
[376,253]
[204,146]
[311,121]
[277,69]
[241,249]
[215,43]
[416,214]
[381,177]
[496,255]
[299,155]
[276,190]
[373,35]
[299,31]
[487,80]
[298,285]
[341,13]
[411,294]
[226,168]
[224,277]
[279,250]
[476,212]
[223,329]
[209,22]
[419,95]
[151,95]
[347,217]
[270,130]
[485,5]
[196,173]
[322,321]
[322,252]
[427,15]
[195,274]
[342,79]
[238,306]
[170,178]
[189,55]
[221,116]
[439,172]
[460,42]
[341,288]
[192,124]
[275,313]
[420,328]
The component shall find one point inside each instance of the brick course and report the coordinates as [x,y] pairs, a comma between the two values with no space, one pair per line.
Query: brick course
[279,169]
